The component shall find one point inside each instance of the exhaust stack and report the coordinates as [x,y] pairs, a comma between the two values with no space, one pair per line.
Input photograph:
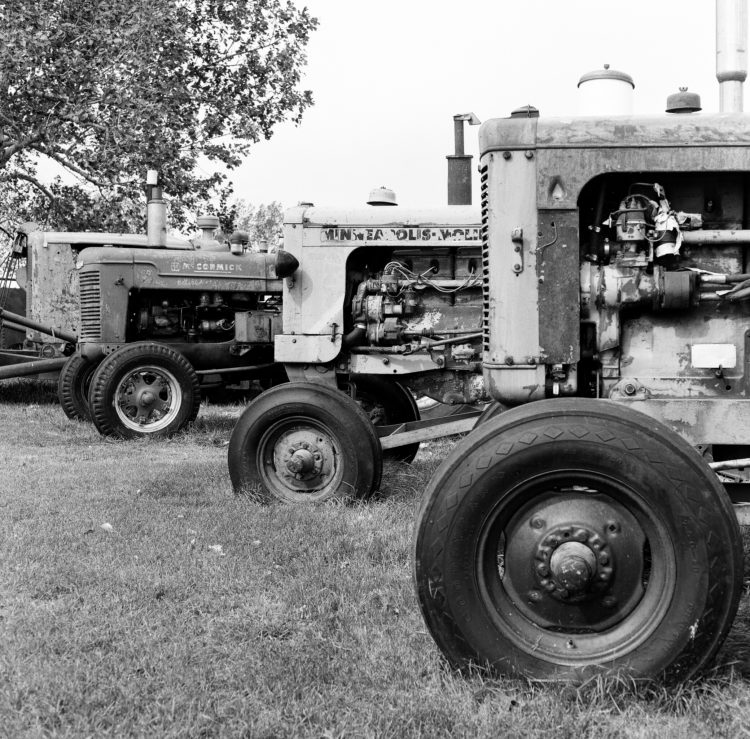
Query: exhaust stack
[459,164]
[156,211]
[731,53]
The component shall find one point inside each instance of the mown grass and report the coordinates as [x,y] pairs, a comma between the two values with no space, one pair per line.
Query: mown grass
[139,597]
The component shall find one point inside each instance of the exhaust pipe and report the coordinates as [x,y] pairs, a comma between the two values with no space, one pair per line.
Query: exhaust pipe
[459,164]
[156,211]
[731,53]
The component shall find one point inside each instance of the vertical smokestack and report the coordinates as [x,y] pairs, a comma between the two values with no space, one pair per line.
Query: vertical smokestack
[731,53]
[156,211]
[459,164]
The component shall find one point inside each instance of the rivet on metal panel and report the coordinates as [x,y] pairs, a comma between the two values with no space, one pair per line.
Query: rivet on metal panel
[529,154]
[507,155]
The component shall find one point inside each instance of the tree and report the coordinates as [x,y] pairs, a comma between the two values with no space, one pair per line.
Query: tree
[107,89]
[262,222]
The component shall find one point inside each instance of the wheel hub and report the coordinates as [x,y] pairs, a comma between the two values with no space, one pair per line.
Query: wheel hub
[573,566]
[304,459]
[573,559]
[573,563]
[146,399]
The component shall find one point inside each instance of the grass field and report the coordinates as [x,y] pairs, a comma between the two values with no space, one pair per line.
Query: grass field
[139,597]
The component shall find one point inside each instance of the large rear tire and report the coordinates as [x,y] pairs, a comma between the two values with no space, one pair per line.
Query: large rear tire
[144,389]
[570,537]
[73,385]
[304,443]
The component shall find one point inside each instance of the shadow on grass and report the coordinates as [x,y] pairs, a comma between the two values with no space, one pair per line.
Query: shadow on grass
[24,391]
[194,485]
[215,422]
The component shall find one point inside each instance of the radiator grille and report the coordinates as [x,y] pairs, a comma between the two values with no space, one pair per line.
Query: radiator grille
[91,306]
[485,200]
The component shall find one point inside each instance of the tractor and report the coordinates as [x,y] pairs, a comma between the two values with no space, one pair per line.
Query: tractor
[592,526]
[385,305]
[163,320]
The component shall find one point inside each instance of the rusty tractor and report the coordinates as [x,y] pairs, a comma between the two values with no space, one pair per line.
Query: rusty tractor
[590,528]
[385,304]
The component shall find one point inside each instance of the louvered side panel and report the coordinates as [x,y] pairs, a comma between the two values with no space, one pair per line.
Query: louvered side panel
[91,307]
[484,194]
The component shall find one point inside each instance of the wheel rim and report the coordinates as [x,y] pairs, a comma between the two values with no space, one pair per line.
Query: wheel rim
[299,459]
[148,399]
[575,567]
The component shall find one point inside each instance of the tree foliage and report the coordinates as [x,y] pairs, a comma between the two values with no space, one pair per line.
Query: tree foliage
[262,222]
[107,89]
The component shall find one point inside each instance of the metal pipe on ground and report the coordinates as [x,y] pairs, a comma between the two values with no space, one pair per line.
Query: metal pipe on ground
[34,367]
[28,323]
[13,326]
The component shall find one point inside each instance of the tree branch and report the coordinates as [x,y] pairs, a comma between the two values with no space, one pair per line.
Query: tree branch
[60,159]
[13,176]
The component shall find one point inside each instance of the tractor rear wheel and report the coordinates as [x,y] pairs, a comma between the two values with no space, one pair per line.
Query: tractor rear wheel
[573,537]
[304,442]
[73,385]
[387,402]
[143,389]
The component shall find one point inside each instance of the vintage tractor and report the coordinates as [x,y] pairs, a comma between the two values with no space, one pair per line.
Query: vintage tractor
[158,324]
[384,305]
[590,527]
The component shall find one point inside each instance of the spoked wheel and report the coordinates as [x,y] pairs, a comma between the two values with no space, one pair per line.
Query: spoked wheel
[304,443]
[73,386]
[571,537]
[387,402]
[143,389]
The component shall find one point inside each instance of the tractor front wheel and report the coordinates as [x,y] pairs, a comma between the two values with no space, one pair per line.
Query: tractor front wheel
[304,443]
[143,389]
[572,537]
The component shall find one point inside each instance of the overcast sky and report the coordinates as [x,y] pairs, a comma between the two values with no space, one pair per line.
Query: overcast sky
[388,76]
